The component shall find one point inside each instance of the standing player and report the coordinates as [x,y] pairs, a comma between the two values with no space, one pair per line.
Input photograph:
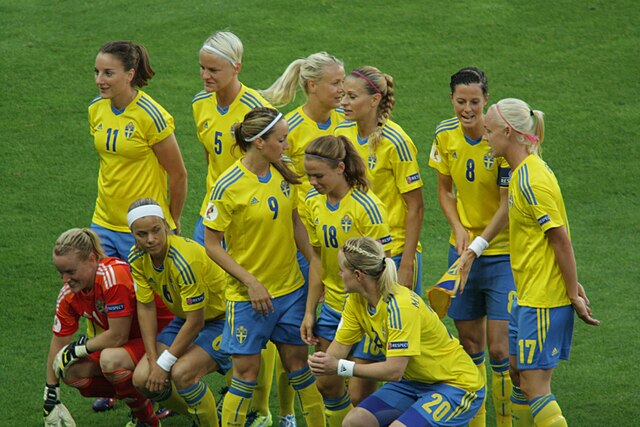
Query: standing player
[340,206]
[543,263]
[134,138]
[253,206]
[191,286]
[100,289]
[392,164]
[431,381]
[472,191]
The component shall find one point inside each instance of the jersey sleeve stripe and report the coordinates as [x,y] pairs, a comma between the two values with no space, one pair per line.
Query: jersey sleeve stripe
[369,206]
[224,183]
[340,110]
[200,96]
[395,321]
[525,187]
[294,121]
[398,141]
[108,275]
[439,130]
[153,112]
[134,255]
[311,193]
[346,124]
[250,96]
[448,122]
[183,266]
[94,100]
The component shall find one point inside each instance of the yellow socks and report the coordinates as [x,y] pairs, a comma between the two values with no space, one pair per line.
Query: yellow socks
[201,404]
[520,411]
[337,409]
[262,390]
[546,412]
[304,383]
[236,403]
[480,420]
[170,398]
[286,394]
[501,391]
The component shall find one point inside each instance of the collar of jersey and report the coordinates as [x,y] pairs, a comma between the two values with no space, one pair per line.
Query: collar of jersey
[362,141]
[266,178]
[472,141]
[325,125]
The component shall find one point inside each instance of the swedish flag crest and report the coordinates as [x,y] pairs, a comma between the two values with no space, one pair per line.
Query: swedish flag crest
[488,161]
[346,223]
[285,187]
[129,129]
[372,162]
[241,334]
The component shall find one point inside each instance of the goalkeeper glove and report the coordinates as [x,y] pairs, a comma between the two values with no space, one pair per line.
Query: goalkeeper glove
[69,355]
[54,412]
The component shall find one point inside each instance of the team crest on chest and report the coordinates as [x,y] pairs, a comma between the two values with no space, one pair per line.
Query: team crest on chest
[100,306]
[285,187]
[241,334]
[372,162]
[129,129]
[488,161]
[346,223]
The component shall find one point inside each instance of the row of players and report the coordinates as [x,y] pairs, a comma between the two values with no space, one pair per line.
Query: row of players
[252,207]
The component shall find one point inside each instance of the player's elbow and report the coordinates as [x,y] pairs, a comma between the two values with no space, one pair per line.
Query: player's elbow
[120,339]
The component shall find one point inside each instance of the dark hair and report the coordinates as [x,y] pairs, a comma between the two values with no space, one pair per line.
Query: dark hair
[335,149]
[132,55]
[254,122]
[469,76]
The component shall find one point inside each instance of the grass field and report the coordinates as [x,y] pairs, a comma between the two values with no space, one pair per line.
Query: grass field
[575,60]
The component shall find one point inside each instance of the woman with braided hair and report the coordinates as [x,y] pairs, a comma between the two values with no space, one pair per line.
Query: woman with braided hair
[392,164]
[430,379]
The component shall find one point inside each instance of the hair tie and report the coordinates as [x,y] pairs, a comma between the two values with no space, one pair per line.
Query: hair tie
[531,112]
[359,74]
[142,211]
[211,49]
[266,129]
[328,159]
[531,137]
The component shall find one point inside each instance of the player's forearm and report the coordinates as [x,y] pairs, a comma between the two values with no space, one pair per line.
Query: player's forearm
[228,264]
[192,326]
[447,202]
[177,194]
[301,237]
[413,225]
[498,221]
[315,285]
[111,338]
[565,258]
[147,320]
[57,344]
[388,370]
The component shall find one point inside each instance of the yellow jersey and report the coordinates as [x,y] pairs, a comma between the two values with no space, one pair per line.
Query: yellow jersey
[404,326]
[129,169]
[330,226]
[392,171]
[477,177]
[214,127]
[187,280]
[255,214]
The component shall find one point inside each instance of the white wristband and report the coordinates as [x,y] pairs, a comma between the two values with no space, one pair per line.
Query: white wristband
[345,367]
[478,245]
[81,351]
[166,361]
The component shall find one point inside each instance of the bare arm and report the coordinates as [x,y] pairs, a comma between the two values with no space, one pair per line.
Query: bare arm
[194,322]
[147,316]
[315,291]
[168,154]
[301,236]
[116,336]
[260,297]
[57,344]
[413,224]
[392,369]
[563,250]
[447,201]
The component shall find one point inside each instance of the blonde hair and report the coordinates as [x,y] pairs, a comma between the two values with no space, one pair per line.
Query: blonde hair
[335,149]
[82,240]
[376,81]
[254,122]
[367,255]
[227,43]
[303,70]
[527,124]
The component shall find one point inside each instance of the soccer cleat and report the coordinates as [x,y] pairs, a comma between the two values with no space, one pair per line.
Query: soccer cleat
[102,404]
[133,422]
[287,421]
[254,419]
[161,411]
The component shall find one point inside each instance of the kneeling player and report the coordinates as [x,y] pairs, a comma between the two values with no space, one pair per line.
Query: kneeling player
[191,285]
[101,289]
[431,381]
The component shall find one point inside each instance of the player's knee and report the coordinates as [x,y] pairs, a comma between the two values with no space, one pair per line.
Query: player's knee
[114,358]
[140,376]
[183,374]
[498,352]
[359,417]
[330,387]
[515,375]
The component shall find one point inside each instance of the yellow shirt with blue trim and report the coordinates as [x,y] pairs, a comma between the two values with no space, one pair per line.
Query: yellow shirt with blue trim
[477,177]
[187,280]
[214,127]
[129,168]
[404,326]
[330,226]
[392,171]
[303,130]
[255,214]
[536,206]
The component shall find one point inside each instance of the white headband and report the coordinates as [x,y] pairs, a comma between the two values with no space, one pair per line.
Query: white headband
[265,130]
[144,210]
[215,51]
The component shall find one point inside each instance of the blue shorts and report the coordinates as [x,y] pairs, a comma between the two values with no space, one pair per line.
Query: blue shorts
[327,325]
[487,290]
[540,337]
[417,271]
[304,267]
[198,231]
[115,243]
[208,339]
[419,404]
[247,332]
